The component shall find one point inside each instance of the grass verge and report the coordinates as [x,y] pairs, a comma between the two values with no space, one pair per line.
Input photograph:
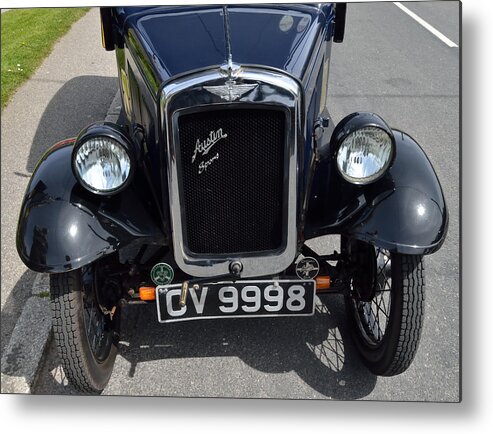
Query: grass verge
[28,36]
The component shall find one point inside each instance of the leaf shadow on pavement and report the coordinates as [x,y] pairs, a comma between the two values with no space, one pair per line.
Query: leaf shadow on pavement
[13,306]
[79,102]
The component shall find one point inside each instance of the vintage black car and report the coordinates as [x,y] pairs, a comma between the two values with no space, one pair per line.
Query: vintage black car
[223,164]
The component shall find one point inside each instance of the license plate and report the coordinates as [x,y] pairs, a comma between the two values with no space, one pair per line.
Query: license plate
[241,299]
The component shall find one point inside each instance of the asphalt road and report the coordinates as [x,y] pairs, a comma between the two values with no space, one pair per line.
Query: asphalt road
[393,66]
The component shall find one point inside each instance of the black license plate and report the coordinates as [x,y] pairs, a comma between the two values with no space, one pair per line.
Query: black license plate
[237,300]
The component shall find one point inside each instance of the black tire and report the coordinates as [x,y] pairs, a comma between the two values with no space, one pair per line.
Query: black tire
[388,343]
[87,353]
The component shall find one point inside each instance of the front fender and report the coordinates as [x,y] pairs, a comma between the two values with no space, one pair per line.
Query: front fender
[63,227]
[404,212]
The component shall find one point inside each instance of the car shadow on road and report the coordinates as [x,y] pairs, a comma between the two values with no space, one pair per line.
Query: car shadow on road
[317,349]
[79,102]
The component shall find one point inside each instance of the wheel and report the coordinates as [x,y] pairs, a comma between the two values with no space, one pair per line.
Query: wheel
[85,336]
[385,306]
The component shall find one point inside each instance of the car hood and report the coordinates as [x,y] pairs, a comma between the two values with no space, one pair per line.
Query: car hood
[175,40]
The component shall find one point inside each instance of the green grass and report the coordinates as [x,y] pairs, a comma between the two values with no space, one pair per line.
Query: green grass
[28,36]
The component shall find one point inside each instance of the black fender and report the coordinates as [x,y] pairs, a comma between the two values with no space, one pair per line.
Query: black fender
[403,212]
[63,227]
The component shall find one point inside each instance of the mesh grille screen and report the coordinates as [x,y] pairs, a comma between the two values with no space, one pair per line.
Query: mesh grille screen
[232,192]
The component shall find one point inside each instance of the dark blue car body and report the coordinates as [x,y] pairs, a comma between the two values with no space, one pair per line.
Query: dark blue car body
[157,46]
[224,161]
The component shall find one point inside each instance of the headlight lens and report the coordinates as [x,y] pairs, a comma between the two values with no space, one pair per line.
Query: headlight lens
[102,164]
[364,155]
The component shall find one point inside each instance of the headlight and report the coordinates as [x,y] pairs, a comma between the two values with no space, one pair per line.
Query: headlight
[365,148]
[102,159]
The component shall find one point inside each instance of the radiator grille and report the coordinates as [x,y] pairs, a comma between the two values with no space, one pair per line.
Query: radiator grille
[233,192]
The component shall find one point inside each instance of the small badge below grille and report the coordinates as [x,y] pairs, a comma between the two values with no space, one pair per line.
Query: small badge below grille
[162,273]
[307,268]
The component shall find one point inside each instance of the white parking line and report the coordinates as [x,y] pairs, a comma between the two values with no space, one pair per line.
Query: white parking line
[427,26]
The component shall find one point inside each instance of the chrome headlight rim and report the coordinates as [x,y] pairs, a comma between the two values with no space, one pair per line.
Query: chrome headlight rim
[101,130]
[349,125]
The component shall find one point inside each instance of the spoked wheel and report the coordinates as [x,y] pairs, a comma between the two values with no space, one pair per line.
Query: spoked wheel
[385,306]
[84,334]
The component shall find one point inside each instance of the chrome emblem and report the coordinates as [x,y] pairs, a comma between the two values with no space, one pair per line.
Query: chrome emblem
[231,91]
[203,147]
[307,268]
